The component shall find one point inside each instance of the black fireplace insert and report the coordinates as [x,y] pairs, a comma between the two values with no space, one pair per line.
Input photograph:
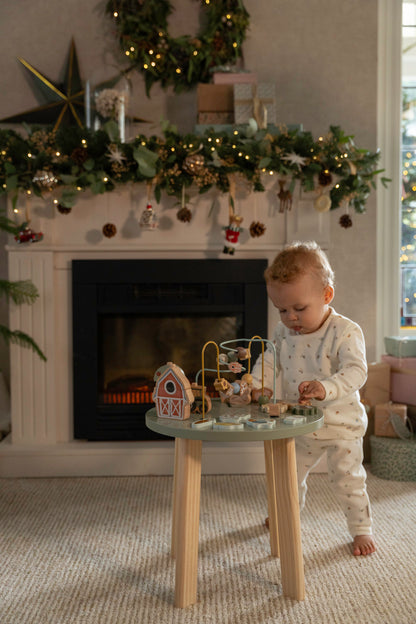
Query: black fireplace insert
[132,316]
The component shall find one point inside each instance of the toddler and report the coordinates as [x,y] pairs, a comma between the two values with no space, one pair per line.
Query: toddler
[321,359]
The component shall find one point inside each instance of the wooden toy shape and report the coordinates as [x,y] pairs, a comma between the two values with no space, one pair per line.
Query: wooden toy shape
[275,409]
[172,394]
[200,395]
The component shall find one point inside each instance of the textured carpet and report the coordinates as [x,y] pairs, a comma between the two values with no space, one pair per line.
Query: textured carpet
[96,551]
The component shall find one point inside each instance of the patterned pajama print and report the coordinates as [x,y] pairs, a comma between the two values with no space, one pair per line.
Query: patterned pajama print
[335,356]
[346,475]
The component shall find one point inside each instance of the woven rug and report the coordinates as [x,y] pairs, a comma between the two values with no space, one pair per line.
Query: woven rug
[97,551]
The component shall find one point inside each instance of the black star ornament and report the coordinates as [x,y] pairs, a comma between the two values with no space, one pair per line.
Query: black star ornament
[63,103]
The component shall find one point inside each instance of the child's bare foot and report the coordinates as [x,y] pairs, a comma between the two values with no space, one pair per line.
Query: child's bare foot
[364,545]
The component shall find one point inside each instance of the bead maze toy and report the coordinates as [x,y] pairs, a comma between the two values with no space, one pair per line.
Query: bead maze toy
[176,398]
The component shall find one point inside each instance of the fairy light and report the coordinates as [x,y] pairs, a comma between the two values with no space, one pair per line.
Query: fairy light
[79,188]
[15,210]
[150,51]
[172,149]
[235,44]
[153,64]
[247,157]
[271,173]
[57,153]
[407,164]
[337,186]
[178,70]
[29,155]
[236,132]
[408,155]
[132,48]
[145,66]
[105,179]
[228,16]
[56,202]
[84,142]
[115,14]
[195,52]
[127,52]
[240,153]
[28,192]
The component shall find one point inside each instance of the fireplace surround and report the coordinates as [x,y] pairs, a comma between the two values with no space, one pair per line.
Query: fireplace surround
[42,441]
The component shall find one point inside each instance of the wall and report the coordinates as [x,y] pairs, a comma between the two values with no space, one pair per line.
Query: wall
[321,55]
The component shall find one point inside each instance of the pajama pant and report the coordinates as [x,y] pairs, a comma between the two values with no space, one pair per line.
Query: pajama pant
[346,475]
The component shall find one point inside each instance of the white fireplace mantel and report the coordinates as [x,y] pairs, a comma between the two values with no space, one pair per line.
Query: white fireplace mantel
[41,441]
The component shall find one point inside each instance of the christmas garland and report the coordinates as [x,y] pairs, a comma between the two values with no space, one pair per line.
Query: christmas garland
[63,163]
[182,62]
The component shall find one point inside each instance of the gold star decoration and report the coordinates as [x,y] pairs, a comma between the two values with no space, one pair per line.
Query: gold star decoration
[66,100]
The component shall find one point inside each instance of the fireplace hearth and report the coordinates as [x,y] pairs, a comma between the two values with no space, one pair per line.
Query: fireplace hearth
[131,316]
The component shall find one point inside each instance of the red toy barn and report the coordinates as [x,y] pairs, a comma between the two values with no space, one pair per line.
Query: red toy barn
[172,393]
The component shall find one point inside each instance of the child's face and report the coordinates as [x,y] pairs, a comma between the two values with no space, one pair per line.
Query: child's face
[303,303]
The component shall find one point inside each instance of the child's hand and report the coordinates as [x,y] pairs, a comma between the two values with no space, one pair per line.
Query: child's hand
[311,390]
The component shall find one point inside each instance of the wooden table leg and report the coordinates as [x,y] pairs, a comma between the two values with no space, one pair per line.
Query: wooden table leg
[186,531]
[175,506]
[291,557]
[271,498]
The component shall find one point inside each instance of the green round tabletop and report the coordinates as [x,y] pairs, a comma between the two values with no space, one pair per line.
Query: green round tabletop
[183,429]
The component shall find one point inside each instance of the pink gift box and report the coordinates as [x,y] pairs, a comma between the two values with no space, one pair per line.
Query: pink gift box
[402,378]
[233,77]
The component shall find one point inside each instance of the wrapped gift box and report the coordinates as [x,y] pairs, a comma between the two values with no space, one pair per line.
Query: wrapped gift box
[377,387]
[393,459]
[402,378]
[215,98]
[215,118]
[376,390]
[244,98]
[234,77]
[383,425]
[400,346]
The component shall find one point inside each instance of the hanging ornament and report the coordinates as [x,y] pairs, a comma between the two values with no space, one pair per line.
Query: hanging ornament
[232,232]
[345,221]
[322,203]
[109,230]
[285,197]
[257,229]
[194,164]
[184,214]
[45,180]
[27,235]
[149,220]
[325,177]
[63,209]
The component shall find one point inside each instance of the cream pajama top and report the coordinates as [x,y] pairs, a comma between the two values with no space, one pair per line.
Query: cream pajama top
[335,356]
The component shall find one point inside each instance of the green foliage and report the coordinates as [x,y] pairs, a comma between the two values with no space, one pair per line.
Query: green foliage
[80,159]
[20,292]
[181,62]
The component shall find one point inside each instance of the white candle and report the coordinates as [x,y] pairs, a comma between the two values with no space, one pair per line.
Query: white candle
[121,119]
[87,105]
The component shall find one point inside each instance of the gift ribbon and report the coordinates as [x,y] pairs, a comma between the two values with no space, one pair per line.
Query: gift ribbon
[400,427]
[259,108]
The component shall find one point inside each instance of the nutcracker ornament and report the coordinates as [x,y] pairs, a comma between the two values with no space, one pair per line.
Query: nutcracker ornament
[232,233]
[148,219]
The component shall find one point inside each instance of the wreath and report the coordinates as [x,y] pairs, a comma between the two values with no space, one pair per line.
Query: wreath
[181,62]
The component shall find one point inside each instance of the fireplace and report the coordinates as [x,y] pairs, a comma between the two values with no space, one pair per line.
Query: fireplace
[131,316]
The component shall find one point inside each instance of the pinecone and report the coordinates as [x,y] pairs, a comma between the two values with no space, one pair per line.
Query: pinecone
[109,230]
[257,229]
[184,215]
[345,221]
[325,177]
[63,209]
[79,155]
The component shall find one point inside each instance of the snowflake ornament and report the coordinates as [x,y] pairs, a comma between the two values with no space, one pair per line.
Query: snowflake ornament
[295,159]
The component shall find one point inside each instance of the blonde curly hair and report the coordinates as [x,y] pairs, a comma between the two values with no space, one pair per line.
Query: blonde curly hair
[299,258]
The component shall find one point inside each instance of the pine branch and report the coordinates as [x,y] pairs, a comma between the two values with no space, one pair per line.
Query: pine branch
[21,291]
[20,338]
